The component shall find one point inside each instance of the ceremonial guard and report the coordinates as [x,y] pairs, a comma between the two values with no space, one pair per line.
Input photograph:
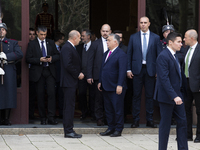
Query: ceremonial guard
[10,53]
[166,29]
[45,19]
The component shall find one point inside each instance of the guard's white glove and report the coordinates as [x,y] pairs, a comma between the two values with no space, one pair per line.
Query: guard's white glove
[2,72]
[3,55]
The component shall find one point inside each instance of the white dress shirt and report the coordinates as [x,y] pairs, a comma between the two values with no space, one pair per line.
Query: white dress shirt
[88,45]
[105,46]
[71,44]
[173,53]
[191,53]
[110,54]
[190,57]
[45,46]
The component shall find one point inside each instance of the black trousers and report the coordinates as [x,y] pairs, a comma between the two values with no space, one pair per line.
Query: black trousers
[32,98]
[128,97]
[143,79]
[85,108]
[68,109]
[46,81]
[99,103]
[60,97]
[188,108]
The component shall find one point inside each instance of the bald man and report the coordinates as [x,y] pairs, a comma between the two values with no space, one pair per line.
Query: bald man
[143,49]
[95,56]
[70,74]
[191,68]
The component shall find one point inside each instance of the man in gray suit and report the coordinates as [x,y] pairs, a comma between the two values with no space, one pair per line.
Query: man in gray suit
[191,68]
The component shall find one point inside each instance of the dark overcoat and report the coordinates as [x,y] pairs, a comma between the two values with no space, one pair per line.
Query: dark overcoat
[8,91]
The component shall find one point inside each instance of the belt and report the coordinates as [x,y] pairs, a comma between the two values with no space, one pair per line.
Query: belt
[144,65]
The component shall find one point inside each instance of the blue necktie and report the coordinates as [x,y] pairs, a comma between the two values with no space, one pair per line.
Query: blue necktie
[85,47]
[44,54]
[178,69]
[144,48]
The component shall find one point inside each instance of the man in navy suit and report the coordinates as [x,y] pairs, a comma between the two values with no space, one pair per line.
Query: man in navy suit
[143,49]
[112,81]
[168,92]
[70,74]
[95,55]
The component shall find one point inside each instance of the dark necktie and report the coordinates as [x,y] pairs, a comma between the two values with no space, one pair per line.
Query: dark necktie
[44,53]
[85,47]
[178,68]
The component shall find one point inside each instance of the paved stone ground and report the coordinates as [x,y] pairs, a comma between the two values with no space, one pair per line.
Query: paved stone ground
[87,142]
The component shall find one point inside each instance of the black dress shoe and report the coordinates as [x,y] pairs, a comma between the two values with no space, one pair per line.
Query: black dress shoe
[151,124]
[73,135]
[135,124]
[189,139]
[43,122]
[197,140]
[107,132]
[52,121]
[100,122]
[116,134]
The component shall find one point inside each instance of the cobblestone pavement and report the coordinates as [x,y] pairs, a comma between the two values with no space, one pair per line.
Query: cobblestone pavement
[87,142]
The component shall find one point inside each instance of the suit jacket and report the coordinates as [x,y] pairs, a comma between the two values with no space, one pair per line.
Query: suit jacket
[80,49]
[33,55]
[95,55]
[169,78]
[113,71]
[70,66]
[123,47]
[135,53]
[194,69]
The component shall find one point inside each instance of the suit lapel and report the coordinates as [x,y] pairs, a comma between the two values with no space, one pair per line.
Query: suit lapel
[194,54]
[104,57]
[150,41]
[48,49]
[112,54]
[38,47]
[101,45]
[175,63]
[140,42]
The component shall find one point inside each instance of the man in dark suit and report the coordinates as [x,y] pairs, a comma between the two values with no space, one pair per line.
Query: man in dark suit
[59,39]
[112,81]
[191,67]
[129,91]
[70,73]
[95,56]
[168,92]
[143,49]
[121,45]
[42,55]
[82,84]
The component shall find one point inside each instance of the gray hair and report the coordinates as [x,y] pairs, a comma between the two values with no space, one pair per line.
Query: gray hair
[87,32]
[115,37]
[41,28]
